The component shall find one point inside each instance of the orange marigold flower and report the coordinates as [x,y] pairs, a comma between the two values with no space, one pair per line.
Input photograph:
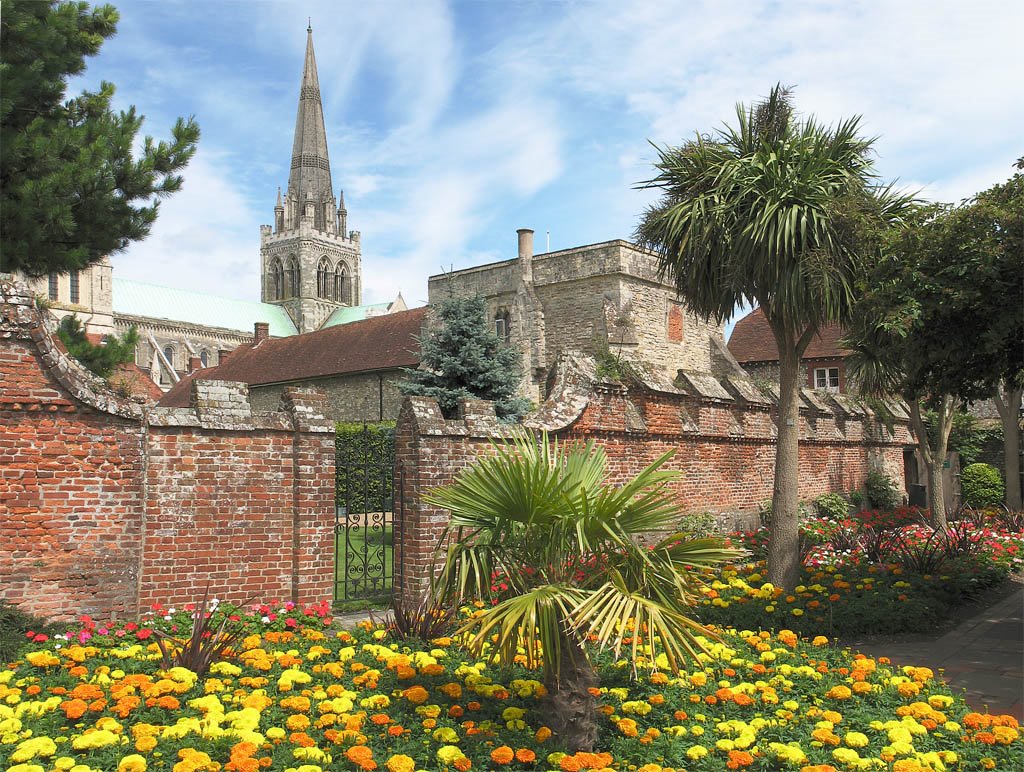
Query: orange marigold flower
[525,756]
[739,759]
[502,755]
[462,764]
[417,695]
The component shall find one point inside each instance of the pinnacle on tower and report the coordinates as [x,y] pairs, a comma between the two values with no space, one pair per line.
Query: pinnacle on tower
[310,176]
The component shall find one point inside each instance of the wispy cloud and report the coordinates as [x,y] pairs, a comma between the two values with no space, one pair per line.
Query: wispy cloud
[451,125]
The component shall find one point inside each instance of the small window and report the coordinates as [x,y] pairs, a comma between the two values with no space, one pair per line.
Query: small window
[53,286]
[74,291]
[826,378]
[503,325]
[169,354]
[204,357]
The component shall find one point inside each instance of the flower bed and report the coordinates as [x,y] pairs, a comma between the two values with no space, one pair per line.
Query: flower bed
[301,696]
[884,572]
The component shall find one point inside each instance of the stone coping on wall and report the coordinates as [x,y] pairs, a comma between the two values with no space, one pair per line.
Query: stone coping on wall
[216,405]
[576,385]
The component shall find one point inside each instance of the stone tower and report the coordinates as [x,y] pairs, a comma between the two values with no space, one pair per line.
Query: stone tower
[311,263]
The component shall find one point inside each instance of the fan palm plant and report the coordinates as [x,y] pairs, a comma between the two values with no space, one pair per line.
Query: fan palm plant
[585,561]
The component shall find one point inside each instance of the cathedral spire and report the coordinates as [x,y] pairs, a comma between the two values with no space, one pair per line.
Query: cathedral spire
[310,176]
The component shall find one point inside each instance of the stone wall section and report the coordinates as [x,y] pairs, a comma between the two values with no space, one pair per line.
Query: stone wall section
[721,433]
[110,506]
[350,398]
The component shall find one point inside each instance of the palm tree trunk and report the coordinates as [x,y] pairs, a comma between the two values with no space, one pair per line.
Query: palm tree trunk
[569,709]
[784,537]
[934,457]
[1007,399]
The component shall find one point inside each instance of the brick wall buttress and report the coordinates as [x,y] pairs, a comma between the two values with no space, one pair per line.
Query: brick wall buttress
[110,507]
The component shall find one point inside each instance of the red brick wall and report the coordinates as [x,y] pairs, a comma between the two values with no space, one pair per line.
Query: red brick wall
[70,541]
[107,506]
[724,451]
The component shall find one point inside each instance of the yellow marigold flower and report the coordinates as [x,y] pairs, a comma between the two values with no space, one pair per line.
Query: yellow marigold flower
[132,763]
[41,659]
[449,754]
[696,752]
[42,747]
[99,738]
[856,739]
[839,693]
[400,763]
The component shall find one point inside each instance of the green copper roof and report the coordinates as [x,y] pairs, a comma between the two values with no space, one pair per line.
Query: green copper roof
[353,314]
[136,298]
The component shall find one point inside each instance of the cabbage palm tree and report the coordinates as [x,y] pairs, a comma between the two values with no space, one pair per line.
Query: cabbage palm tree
[779,212]
[583,560]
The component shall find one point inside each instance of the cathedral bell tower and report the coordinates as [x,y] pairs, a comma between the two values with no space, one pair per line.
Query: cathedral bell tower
[311,264]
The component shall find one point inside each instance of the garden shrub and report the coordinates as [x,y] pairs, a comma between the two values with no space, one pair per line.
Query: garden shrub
[832,505]
[699,525]
[15,626]
[981,485]
[881,490]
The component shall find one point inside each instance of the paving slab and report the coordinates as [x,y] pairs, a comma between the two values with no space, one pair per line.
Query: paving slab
[983,657]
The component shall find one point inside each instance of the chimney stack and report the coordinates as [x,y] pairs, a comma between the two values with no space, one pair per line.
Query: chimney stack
[222,355]
[261,332]
[194,363]
[526,252]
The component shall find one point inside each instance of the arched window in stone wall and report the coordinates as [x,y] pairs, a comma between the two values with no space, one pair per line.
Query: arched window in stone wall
[342,285]
[324,279]
[204,357]
[294,278]
[276,279]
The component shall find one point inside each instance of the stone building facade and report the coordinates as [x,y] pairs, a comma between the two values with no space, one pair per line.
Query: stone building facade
[311,263]
[604,299]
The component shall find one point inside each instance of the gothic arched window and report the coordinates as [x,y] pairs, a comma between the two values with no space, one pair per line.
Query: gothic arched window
[341,285]
[204,357]
[294,278]
[276,279]
[324,280]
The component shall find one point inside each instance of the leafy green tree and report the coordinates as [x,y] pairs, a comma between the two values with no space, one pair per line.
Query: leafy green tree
[70,189]
[464,359]
[781,212]
[940,319]
[585,560]
[101,359]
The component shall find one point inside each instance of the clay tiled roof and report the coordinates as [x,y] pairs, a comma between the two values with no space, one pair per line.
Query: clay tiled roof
[752,341]
[133,379]
[378,343]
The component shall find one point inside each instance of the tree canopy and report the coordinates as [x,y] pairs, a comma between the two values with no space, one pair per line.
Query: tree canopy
[780,211]
[941,315]
[102,358]
[464,359]
[71,189]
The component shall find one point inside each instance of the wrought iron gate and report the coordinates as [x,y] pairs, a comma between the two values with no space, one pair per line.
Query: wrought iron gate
[367,521]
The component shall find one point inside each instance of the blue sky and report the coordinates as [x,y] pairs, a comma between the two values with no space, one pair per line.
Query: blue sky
[451,125]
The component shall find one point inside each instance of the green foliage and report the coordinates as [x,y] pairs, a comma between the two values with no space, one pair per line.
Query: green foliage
[364,459]
[71,190]
[981,485]
[881,490]
[698,525]
[15,623]
[101,359]
[832,505]
[462,358]
[967,437]
[611,366]
[856,498]
[782,212]
[206,644]
[584,560]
